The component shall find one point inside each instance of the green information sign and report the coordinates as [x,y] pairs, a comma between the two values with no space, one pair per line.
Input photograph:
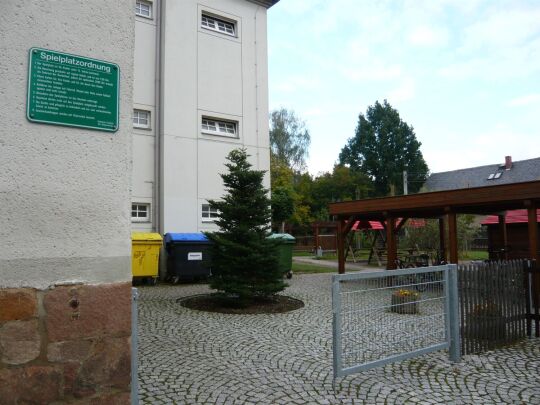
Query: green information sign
[71,90]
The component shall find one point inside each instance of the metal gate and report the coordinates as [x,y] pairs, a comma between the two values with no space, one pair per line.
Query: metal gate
[385,316]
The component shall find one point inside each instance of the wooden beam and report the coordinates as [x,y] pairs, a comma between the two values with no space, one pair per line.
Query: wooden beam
[442,237]
[391,245]
[341,247]
[350,223]
[401,223]
[452,237]
[533,232]
[316,229]
[503,234]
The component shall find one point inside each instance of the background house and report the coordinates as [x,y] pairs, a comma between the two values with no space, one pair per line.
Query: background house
[507,232]
[489,175]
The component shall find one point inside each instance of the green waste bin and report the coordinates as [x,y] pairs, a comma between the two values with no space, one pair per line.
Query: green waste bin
[285,249]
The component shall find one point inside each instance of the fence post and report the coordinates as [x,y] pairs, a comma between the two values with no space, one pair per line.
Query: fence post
[134,347]
[336,323]
[453,298]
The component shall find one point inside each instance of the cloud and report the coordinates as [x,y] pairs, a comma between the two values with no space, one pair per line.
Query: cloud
[404,92]
[525,100]
[428,36]
[504,42]
[478,149]
[296,83]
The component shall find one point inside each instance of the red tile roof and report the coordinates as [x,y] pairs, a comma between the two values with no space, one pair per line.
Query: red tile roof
[512,217]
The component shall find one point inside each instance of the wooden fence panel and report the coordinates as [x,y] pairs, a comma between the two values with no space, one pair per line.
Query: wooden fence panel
[533,298]
[493,304]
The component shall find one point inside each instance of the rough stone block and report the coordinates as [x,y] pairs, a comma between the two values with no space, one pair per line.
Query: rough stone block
[109,365]
[17,304]
[19,341]
[70,351]
[30,385]
[85,311]
[109,398]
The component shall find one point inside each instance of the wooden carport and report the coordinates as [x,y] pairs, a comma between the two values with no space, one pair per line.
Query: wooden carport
[440,204]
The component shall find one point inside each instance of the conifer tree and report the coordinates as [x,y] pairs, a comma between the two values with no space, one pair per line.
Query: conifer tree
[244,261]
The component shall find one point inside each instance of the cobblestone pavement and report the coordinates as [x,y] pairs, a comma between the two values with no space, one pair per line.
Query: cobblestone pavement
[193,357]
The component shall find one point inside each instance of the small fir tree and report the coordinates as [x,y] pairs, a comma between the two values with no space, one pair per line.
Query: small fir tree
[244,261]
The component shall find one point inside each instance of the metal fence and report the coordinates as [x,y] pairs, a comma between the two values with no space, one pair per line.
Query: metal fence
[385,316]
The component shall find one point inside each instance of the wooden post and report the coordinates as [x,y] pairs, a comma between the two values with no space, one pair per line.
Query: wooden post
[533,232]
[503,234]
[316,229]
[442,236]
[391,245]
[452,236]
[341,247]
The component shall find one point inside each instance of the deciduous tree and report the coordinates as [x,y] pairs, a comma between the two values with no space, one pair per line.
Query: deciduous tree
[383,147]
[289,138]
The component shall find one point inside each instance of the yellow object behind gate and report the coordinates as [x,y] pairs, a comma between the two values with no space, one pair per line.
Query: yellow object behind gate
[145,249]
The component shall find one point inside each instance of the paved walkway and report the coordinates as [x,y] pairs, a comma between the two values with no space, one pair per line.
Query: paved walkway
[192,357]
[334,264]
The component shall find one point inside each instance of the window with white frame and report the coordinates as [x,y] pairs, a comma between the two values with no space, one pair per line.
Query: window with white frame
[209,214]
[216,24]
[140,212]
[218,127]
[143,9]
[141,119]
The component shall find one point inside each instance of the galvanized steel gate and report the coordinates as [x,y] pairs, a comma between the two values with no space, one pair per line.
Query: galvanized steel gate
[385,316]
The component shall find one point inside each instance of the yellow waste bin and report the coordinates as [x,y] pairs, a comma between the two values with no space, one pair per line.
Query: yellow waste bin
[145,249]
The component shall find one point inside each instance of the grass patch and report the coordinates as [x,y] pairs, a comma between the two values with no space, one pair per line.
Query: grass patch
[306,268]
[474,255]
[303,254]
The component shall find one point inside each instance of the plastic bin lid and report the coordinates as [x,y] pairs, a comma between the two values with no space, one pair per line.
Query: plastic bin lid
[185,237]
[284,236]
[146,236]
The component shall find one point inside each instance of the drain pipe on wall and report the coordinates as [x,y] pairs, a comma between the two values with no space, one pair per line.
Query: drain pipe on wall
[158,125]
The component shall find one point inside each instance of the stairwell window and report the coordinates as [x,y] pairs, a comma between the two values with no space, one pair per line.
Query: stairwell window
[140,212]
[216,24]
[209,214]
[218,127]
[141,119]
[143,9]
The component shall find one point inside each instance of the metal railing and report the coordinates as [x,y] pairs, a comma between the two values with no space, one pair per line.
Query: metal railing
[385,316]
[134,347]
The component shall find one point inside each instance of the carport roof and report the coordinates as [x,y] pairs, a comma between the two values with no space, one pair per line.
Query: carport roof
[478,200]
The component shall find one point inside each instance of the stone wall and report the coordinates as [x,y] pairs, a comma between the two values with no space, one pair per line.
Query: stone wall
[69,343]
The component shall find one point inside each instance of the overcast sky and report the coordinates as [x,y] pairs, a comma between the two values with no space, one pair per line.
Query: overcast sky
[464,73]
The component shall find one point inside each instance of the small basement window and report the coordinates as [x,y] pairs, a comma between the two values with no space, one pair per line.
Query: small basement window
[143,9]
[141,119]
[219,25]
[209,214]
[140,212]
[223,128]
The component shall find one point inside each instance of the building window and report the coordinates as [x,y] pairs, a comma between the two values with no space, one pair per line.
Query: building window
[223,128]
[216,24]
[143,9]
[140,212]
[141,119]
[209,214]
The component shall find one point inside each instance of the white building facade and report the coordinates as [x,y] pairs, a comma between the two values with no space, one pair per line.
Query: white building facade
[200,91]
